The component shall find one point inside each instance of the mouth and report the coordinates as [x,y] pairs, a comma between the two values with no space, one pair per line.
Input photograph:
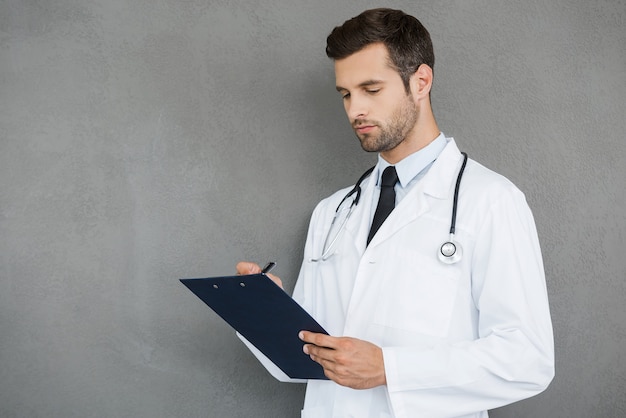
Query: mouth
[364,129]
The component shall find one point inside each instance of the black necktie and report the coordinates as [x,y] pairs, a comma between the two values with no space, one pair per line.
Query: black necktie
[386,201]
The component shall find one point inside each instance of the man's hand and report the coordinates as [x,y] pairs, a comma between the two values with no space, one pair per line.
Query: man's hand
[245,267]
[347,361]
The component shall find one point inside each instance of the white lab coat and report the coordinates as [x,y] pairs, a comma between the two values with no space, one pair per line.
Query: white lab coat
[457,339]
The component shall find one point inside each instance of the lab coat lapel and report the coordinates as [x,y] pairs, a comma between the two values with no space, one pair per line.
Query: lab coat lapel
[414,205]
[438,183]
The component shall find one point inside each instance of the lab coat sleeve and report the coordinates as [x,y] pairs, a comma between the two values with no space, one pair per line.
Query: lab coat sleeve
[513,356]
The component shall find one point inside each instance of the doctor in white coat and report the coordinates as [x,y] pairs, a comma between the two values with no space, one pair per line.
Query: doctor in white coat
[410,335]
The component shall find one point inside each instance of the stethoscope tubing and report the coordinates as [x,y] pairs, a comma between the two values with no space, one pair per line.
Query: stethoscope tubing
[445,256]
[455,202]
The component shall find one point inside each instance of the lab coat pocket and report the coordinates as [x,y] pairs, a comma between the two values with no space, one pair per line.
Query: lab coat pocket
[418,296]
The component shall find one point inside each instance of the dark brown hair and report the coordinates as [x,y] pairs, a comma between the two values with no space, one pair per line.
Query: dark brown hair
[406,39]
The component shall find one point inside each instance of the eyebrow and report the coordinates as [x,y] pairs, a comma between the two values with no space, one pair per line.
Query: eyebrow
[366,83]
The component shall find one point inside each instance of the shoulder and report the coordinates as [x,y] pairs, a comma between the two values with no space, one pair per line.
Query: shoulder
[485,194]
[482,180]
[332,202]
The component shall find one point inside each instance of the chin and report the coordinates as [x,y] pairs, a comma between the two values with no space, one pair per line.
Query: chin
[368,143]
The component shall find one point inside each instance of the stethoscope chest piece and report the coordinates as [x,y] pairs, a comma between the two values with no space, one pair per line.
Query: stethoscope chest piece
[450,252]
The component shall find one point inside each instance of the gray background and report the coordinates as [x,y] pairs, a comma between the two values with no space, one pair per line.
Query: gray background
[144,141]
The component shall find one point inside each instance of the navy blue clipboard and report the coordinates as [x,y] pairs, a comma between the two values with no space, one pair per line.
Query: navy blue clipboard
[265,315]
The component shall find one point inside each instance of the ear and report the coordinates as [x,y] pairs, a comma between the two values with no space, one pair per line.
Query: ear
[421,82]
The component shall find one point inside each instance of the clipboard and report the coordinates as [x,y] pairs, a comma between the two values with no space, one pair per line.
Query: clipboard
[265,315]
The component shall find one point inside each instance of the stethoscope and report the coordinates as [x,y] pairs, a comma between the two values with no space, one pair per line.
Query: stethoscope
[450,251]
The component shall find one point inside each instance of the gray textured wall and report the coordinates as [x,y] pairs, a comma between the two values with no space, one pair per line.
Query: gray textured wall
[143,141]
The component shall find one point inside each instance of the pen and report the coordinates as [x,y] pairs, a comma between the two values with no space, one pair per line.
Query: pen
[268,267]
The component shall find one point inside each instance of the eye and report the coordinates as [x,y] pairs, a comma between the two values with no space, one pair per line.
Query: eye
[345,96]
[373,91]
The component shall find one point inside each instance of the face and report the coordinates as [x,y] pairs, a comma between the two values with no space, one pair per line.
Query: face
[380,111]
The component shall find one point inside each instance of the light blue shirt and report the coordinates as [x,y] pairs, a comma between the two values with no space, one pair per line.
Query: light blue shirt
[411,169]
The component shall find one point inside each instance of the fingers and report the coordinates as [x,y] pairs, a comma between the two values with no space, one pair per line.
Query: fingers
[322,355]
[320,340]
[321,347]
[246,267]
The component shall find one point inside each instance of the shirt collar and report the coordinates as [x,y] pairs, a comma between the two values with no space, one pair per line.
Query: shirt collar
[412,165]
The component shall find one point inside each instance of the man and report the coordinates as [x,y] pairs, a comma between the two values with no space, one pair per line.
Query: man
[412,336]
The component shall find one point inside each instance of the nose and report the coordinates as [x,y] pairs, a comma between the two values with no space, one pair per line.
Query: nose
[356,108]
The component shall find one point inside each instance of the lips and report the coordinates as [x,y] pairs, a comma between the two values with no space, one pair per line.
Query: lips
[364,129]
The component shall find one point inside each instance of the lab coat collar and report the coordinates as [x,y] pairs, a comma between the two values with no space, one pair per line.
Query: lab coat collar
[440,180]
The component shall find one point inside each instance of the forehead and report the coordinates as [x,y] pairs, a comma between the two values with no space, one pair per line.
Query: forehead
[370,63]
